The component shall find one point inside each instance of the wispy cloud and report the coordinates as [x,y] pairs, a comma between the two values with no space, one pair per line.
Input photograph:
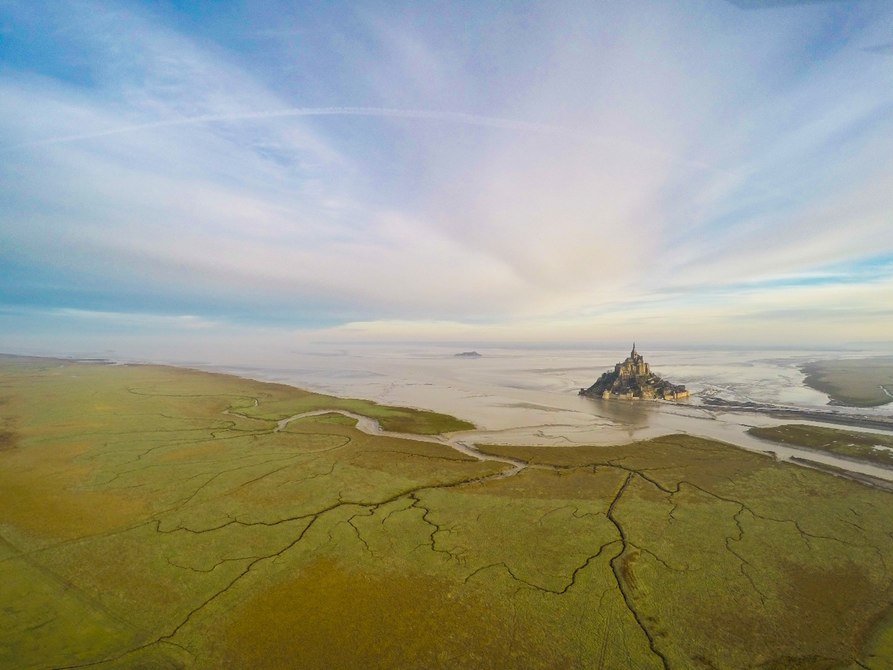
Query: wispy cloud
[574,169]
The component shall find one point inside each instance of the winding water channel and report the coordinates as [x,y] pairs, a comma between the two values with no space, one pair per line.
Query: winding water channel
[372,427]
[529,397]
[464,443]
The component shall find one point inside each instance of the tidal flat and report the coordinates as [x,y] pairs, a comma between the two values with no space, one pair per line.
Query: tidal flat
[862,382]
[169,518]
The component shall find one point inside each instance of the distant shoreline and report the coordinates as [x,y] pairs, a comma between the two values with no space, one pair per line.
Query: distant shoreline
[860,382]
[618,435]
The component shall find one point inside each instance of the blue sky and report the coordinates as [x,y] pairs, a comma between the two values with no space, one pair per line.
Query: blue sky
[696,171]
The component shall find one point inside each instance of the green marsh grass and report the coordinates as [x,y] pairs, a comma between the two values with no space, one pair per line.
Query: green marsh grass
[859,445]
[151,517]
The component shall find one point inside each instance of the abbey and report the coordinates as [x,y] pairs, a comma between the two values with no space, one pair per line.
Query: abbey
[633,380]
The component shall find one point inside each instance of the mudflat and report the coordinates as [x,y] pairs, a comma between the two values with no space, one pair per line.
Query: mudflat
[167,518]
[863,382]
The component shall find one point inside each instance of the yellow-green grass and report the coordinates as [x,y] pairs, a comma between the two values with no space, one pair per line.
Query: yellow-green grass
[871,447]
[151,517]
[857,383]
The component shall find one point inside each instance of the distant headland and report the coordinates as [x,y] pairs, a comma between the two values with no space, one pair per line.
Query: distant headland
[467,354]
[633,380]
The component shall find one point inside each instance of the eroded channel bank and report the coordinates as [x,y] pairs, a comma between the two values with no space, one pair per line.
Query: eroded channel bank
[529,397]
[464,443]
[373,427]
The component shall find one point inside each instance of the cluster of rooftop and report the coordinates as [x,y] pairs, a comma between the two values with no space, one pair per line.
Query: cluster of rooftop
[633,380]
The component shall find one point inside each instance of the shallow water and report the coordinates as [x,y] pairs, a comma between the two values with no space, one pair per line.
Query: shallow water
[517,396]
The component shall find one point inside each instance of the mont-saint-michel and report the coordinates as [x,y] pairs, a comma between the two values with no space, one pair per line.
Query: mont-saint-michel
[633,380]
[295,306]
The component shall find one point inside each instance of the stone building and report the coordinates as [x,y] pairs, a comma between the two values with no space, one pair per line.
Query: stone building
[633,380]
[634,366]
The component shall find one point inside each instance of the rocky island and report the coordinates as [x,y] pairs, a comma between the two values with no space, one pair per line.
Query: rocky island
[633,380]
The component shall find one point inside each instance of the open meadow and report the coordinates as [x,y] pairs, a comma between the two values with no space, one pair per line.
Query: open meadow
[155,517]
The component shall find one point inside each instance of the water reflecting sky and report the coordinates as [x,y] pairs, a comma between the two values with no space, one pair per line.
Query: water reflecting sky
[527,396]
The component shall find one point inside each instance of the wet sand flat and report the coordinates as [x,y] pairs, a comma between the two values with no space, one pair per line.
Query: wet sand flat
[529,396]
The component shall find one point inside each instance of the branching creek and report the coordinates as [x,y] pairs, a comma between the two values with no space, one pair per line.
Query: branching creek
[372,427]
[343,508]
[619,546]
[866,473]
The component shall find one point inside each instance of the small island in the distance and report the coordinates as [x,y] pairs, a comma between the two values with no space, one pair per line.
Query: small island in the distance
[633,380]
[468,354]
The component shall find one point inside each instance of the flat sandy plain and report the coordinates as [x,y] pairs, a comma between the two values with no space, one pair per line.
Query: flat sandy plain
[156,517]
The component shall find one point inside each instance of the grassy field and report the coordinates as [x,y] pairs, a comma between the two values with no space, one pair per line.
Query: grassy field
[870,447]
[856,383]
[152,518]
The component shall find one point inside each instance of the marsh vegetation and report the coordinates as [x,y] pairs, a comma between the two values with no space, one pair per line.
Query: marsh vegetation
[859,445]
[157,517]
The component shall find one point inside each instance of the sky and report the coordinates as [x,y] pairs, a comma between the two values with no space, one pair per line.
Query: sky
[687,172]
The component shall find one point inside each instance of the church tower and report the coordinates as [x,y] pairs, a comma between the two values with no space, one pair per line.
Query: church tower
[633,379]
